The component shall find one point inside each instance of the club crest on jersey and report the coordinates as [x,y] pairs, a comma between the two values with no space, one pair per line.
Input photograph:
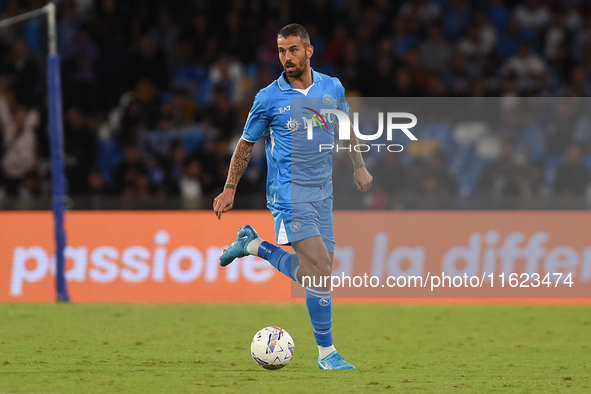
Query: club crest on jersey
[326,99]
[292,125]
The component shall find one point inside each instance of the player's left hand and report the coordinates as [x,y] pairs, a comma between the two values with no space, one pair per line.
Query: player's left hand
[223,202]
[362,179]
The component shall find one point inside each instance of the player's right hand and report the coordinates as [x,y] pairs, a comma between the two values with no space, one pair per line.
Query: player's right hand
[223,202]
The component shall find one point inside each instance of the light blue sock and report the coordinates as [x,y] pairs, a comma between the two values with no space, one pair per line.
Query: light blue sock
[319,303]
[287,263]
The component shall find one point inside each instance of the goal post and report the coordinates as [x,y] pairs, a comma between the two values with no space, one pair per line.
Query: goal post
[56,140]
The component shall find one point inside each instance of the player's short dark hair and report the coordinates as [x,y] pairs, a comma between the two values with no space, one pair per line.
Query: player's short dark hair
[295,30]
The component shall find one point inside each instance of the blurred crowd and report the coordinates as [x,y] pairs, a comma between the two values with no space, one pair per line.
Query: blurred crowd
[156,93]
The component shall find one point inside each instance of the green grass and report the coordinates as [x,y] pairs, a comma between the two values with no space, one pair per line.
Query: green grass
[205,348]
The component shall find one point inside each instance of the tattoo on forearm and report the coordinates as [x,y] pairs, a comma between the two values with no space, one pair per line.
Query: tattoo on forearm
[355,156]
[239,162]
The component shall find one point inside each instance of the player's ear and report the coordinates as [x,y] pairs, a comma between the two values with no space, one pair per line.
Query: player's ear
[309,51]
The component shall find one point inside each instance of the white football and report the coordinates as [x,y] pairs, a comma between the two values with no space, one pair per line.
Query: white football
[272,348]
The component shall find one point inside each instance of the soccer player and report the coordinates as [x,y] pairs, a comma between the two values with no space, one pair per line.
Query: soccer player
[301,203]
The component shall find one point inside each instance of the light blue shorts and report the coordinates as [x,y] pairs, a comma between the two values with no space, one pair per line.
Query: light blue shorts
[297,221]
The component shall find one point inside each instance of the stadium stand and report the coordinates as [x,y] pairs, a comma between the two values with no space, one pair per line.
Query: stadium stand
[156,94]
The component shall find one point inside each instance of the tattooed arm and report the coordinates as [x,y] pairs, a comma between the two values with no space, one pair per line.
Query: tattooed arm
[361,176]
[240,158]
[355,156]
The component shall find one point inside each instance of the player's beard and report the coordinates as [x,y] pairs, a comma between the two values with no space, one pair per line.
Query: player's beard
[299,70]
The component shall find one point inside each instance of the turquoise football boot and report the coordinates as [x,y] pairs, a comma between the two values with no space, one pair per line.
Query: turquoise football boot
[238,248]
[334,361]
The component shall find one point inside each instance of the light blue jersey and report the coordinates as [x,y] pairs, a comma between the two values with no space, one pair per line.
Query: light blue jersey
[296,170]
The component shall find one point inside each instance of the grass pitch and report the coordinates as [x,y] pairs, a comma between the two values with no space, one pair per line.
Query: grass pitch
[205,348]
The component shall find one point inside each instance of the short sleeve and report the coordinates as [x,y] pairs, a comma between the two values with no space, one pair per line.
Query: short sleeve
[343,105]
[258,120]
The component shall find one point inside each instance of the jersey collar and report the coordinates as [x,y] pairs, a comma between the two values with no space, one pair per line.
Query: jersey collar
[285,85]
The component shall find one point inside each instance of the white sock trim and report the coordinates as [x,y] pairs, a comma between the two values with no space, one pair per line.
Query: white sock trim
[253,246]
[324,351]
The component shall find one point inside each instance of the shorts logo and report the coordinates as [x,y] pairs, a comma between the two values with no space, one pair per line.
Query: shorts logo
[326,99]
[324,301]
[295,226]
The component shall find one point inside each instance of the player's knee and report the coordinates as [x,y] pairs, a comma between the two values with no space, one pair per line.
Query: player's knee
[322,266]
[318,268]
[326,270]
